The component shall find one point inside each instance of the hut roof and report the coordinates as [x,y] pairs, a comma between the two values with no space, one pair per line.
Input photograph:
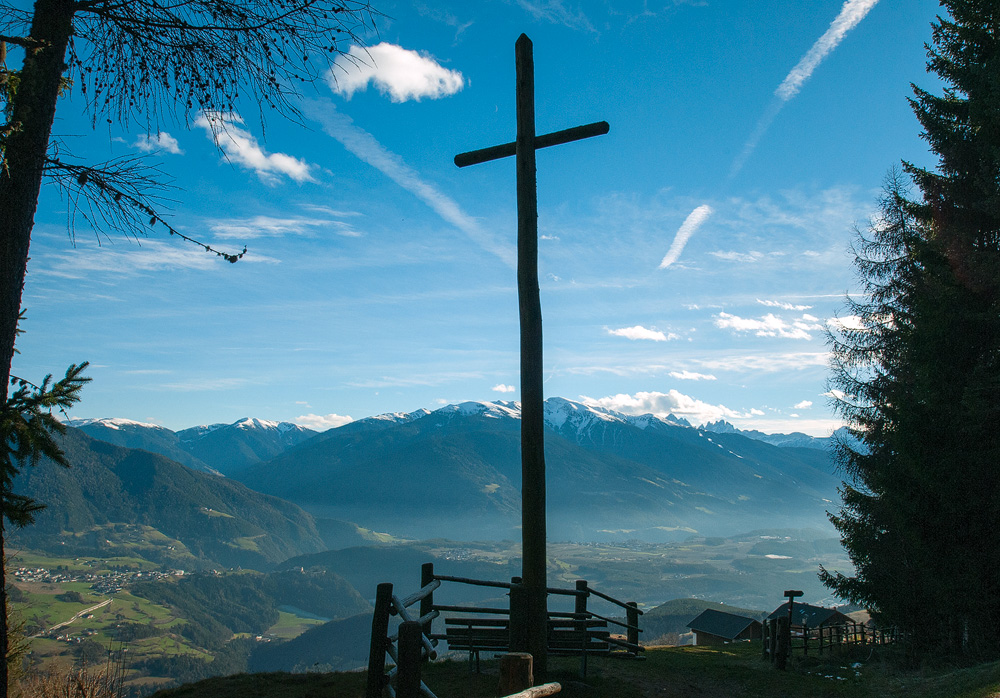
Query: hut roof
[812,616]
[727,625]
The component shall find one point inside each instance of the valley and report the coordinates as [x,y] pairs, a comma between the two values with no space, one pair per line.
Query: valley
[257,546]
[172,626]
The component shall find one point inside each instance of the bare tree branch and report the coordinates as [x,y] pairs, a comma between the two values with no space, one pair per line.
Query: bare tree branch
[148,59]
[120,194]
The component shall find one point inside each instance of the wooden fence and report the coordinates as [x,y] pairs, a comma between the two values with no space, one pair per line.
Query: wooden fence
[580,632]
[782,640]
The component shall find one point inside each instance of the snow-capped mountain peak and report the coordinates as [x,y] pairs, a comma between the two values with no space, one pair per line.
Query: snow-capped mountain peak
[255,423]
[400,417]
[110,423]
[493,410]
[560,412]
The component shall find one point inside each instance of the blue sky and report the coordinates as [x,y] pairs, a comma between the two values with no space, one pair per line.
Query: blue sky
[689,259]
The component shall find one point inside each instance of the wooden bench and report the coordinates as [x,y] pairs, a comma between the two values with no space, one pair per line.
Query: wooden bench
[578,637]
[565,637]
[477,634]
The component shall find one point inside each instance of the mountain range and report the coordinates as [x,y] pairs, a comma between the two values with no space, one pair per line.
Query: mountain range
[216,448]
[455,472]
[609,475]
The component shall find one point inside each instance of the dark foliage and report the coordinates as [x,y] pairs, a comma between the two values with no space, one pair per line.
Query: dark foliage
[215,606]
[127,632]
[918,366]
[319,592]
[231,658]
[70,597]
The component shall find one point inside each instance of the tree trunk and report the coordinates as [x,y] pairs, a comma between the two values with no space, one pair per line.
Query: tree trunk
[33,109]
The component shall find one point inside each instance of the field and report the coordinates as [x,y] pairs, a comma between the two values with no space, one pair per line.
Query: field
[290,625]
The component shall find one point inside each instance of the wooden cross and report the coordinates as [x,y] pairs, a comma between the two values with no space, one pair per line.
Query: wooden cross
[531,613]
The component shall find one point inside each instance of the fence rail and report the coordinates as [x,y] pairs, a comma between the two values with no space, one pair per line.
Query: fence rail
[580,632]
[782,640]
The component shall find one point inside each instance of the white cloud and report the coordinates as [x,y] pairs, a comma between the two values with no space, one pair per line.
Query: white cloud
[804,405]
[745,257]
[852,12]
[691,376]
[555,11]
[819,427]
[395,71]
[132,259]
[770,325]
[148,142]
[241,147]
[662,404]
[268,226]
[322,422]
[848,322]
[367,148]
[684,233]
[783,305]
[768,362]
[198,385]
[501,388]
[640,332]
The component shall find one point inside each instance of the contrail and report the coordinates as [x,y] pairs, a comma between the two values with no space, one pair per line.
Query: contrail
[367,148]
[851,13]
[687,229]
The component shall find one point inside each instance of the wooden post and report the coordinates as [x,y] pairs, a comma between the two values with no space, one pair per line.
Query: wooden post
[821,639]
[410,646]
[580,608]
[516,673]
[380,633]
[784,640]
[805,640]
[632,618]
[765,636]
[517,627]
[427,603]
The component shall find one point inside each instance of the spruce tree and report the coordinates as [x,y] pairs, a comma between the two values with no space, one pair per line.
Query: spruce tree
[917,366]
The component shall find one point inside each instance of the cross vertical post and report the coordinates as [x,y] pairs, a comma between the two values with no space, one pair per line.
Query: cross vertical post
[530,611]
[533,572]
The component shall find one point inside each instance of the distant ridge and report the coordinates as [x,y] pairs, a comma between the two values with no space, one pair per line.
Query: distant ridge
[222,449]
[114,498]
[610,475]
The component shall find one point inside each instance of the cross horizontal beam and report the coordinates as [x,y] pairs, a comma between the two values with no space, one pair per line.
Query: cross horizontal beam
[474,157]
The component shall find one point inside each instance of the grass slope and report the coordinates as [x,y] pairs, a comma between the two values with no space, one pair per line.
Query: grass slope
[116,500]
[734,670]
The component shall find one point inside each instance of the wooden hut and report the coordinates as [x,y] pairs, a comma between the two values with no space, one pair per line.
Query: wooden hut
[717,628]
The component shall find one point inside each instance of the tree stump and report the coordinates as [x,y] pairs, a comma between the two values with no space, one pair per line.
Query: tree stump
[516,673]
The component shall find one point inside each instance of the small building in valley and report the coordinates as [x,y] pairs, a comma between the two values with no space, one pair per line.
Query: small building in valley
[717,628]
